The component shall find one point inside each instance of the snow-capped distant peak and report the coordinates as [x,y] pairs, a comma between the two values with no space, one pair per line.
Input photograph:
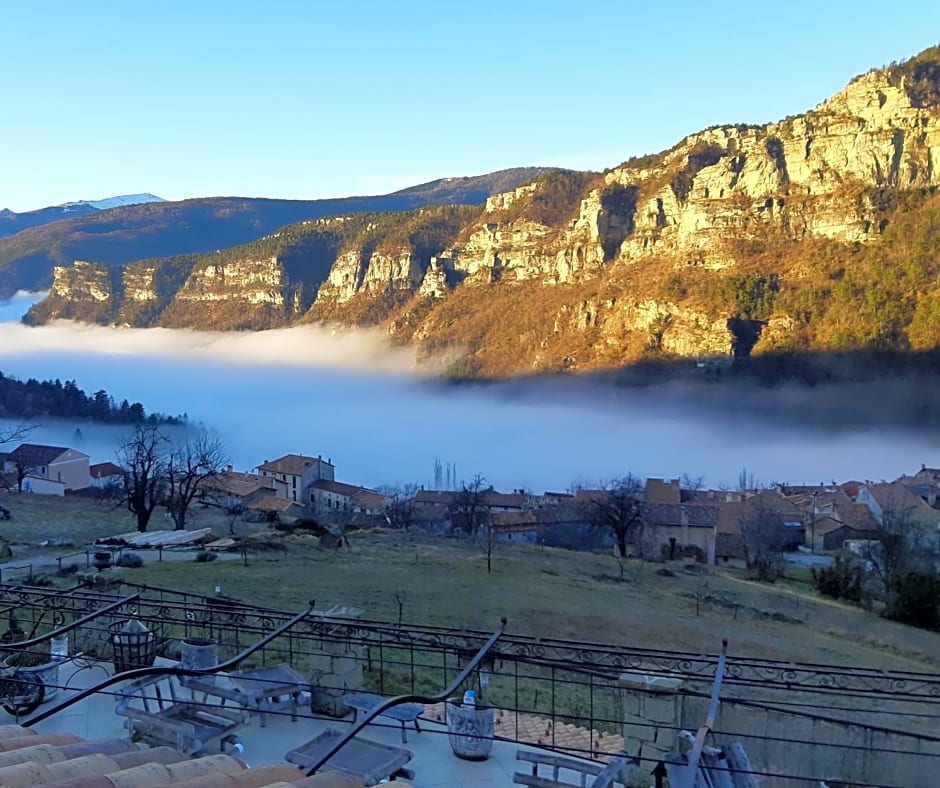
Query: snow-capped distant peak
[114,202]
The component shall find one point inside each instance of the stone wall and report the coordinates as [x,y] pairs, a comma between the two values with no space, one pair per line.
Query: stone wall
[776,740]
[335,670]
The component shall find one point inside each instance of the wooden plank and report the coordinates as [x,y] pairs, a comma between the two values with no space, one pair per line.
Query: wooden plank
[536,781]
[740,765]
[715,768]
[559,761]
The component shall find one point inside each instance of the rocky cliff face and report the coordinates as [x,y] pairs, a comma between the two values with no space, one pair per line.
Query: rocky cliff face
[591,268]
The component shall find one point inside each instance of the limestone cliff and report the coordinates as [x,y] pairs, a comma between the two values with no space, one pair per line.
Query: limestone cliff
[739,237]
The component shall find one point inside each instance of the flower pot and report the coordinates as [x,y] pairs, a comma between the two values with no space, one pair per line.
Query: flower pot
[199,654]
[102,560]
[470,730]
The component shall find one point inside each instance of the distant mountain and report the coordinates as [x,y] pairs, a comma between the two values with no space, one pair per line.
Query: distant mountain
[124,234]
[115,202]
[12,222]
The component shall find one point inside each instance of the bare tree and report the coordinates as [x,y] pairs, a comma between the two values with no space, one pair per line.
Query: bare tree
[903,547]
[234,511]
[22,466]
[16,433]
[765,537]
[470,513]
[618,507]
[468,509]
[142,455]
[689,485]
[747,480]
[400,511]
[188,467]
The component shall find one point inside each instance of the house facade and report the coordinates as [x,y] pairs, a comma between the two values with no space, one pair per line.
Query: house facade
[105,475]
[293,474]
[49,469]
[329,497]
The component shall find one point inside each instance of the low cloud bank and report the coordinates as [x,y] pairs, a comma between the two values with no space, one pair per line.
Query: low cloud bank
[301,346]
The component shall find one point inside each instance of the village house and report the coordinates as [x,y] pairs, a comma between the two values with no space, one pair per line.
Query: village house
[232,490]
[48,470]
[514,526]
[274,508]
[105,475]
[664,491]
[570,527]
[293,474]
[680,530]
[849,522]
[329,497]
[898,499]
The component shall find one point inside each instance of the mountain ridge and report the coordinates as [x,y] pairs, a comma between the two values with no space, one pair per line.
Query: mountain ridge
[820,231]
[125,234]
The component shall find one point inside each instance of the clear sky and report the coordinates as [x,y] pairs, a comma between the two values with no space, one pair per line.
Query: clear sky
[308,99]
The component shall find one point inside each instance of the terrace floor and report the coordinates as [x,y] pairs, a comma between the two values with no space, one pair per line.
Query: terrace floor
[434,764]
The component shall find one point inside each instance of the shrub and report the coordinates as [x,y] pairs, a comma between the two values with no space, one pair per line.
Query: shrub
[130,560]
[205,557]
[916,601]
[842,580]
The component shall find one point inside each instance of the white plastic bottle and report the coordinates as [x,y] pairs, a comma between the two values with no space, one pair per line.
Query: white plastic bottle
[469,699]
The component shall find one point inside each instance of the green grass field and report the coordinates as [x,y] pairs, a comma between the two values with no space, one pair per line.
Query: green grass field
[543,592]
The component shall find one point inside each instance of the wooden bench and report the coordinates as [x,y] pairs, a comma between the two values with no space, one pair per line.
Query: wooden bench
[586,774]
[364,702]
[159,713]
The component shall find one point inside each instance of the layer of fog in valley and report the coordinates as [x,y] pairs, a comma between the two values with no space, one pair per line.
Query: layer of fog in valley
[351,398]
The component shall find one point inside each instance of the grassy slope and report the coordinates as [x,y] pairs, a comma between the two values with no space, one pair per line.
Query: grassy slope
[561,594]
[542,591]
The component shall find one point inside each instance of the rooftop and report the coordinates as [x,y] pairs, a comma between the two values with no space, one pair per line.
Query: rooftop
[292,464]
[546,694]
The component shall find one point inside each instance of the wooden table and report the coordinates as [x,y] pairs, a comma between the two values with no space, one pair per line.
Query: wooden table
[368,760]
[364,702]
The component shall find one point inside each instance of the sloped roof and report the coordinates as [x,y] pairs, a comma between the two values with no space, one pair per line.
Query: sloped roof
[271,503]
[369,499]
[897,497]
[700,515]
[238,483]
[492,497]
[513,520]
[102,470]
[37,454]
[858,516]
[292,464]
[339,488]
[443,497]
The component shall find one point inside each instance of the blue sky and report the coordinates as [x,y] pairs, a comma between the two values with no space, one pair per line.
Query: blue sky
[308,99]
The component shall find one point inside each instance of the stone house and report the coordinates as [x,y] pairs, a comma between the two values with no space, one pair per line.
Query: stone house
[274,508]
[233,489]
[673,531]
[662,491]
[898,498]
[49,469]
[293,474]
[328,497]
[514,526]
[105,475]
